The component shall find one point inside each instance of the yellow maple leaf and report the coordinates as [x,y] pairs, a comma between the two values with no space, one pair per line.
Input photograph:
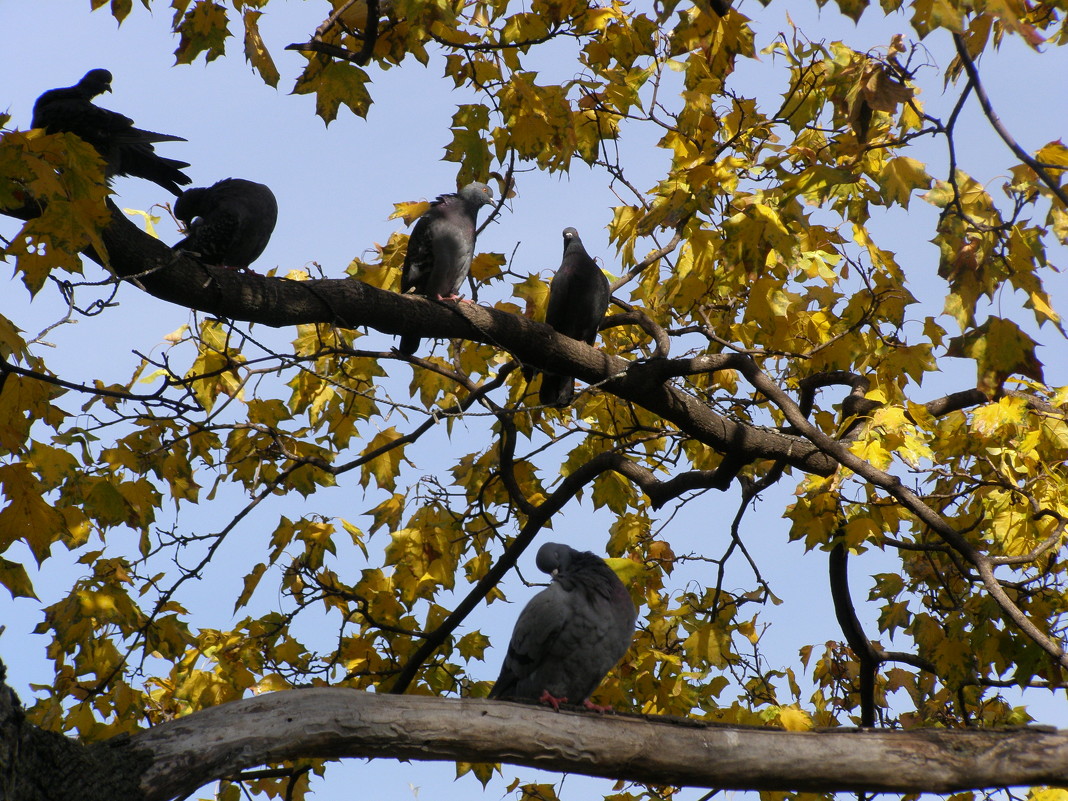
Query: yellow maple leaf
[793,719]
[409,211]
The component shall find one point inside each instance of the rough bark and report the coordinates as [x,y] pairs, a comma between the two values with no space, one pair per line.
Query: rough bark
[175,758]
[348,723]
[39,765]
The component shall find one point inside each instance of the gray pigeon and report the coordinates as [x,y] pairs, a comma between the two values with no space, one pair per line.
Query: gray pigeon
[571,634]
[126,149]
[227,224]
[578,299]
[440,248]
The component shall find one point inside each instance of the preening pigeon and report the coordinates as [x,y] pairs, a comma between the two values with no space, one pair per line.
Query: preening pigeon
[578,299]
[440,248]
[569,635]
[227,224]
[126,149]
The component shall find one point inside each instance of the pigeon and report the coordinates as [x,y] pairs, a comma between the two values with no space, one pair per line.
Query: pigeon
[440,248]
[571,634]
[578,299]
[227,224]
[126,149]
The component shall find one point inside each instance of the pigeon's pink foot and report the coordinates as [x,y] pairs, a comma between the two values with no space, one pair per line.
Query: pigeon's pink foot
[596,707]
[449,297]
[551,700]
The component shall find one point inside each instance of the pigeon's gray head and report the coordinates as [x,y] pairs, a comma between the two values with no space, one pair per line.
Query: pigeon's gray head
[476,194]
[95,82]
[554,558]
[570,235]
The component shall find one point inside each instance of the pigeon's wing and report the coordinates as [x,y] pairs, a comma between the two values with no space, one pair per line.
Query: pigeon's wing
[598,295]
[255,210]
[453,243]
[540,622]
[601,630]
[578,299]
[419,256]
[560,290]
[574,635]
[418,265]
[559,390]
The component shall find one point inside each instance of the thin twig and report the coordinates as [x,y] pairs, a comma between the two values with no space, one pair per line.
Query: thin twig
[995,122]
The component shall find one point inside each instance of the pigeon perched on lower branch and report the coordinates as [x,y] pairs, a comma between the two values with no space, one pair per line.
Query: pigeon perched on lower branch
[227,224]
[571,634]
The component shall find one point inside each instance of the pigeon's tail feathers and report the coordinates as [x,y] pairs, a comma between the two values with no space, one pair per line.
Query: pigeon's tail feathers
[556,390]
[504,686]
[153,136]
[142,161]
[408,344]
[164,172]
[139,136]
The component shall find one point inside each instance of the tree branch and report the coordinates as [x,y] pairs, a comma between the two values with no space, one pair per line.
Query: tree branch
[348,303]
[995,122]
[186,753]
[861,646]
[910,500]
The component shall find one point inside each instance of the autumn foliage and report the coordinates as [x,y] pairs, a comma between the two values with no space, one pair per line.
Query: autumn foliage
[765,335]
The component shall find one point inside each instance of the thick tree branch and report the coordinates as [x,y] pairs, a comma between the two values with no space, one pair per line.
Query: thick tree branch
[332,723]
[279,302]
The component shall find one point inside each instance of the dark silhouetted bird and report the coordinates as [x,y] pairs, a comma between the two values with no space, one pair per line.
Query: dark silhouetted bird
[440,248]
[126,149]
[571,634]
[227,224]
[578,298]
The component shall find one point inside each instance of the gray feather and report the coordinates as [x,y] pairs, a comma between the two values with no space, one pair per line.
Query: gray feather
[440,248]
[578,299]
[571,634]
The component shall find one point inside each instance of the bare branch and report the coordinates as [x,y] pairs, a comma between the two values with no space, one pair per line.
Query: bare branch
[995,122]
